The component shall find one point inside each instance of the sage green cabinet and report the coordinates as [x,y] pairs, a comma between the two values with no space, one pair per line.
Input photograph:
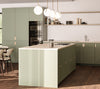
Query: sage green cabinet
[79,52]
[97,53]
[22,22]
[88,53]
[66,62]
[85,53]
[8,17]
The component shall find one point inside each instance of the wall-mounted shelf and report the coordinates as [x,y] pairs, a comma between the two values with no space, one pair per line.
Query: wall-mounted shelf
[76,24]
[80,12]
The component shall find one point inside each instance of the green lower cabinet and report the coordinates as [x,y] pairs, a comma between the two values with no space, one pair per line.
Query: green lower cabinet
[85,53]
[88,55]
[97,53]
[79,53]
[66,62]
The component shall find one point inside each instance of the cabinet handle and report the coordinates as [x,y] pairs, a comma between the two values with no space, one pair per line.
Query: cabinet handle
[83,45]
[15,43]
[95,45]
[15,38]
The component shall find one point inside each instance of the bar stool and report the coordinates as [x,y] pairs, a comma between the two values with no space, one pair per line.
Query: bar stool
[1,58]
[7,58]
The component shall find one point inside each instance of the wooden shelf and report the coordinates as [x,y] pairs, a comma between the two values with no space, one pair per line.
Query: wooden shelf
[80,12]
[77,24]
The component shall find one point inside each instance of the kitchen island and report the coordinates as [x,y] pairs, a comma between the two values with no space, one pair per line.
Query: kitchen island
[43,66]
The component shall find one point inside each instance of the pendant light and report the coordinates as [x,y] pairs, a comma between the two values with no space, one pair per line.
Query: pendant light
[38,9]
[52,12]
[58,14]
[47,11]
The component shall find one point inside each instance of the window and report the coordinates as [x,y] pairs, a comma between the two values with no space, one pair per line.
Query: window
[0,28]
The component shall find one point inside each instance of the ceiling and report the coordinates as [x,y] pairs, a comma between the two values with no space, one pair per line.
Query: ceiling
[28,1]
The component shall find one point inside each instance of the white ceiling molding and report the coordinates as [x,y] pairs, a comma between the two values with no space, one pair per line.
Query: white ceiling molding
[28,1]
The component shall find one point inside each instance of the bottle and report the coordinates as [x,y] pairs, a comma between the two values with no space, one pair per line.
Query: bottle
[80,21]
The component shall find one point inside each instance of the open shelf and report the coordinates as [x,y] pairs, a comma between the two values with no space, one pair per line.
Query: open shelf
[80,12]
[76,24]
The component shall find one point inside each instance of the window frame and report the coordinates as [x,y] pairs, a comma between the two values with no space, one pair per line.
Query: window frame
[0,29]
[0,13]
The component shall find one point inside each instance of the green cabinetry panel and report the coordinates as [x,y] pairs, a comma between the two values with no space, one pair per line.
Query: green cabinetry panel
[8,32]
[97,53]
[85,53]
[22,24]
[66,62]
[88,53]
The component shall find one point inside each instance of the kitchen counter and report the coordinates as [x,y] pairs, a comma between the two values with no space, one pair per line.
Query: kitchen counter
[47,46]
[43,66]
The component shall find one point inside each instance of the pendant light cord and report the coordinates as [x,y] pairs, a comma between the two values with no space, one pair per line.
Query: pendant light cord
[47,3]
[38,2]
[52,5]
[57,6]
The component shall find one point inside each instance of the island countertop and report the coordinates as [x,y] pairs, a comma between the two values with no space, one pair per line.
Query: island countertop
[47,46]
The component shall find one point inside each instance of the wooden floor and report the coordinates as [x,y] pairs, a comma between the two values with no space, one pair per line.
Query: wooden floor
[84,77]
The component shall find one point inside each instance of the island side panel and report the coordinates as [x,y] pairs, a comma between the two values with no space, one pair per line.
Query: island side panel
[66,62]
[31,67]
[51,68]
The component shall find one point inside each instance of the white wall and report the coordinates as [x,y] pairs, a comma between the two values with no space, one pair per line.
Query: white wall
[74,33]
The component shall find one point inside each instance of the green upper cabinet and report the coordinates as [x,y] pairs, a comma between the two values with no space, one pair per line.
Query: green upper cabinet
[97,53]
[22,24]
[88,53]
[8,32]
[33,17]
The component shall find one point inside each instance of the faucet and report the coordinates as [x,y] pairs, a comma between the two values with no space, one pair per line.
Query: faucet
[86,38]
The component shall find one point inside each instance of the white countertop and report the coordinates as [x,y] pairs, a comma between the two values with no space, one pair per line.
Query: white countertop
[47,46]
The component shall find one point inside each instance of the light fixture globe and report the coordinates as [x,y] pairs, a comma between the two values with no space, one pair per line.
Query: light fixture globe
[52,14]
[47,12]
[38,10]
[58,15]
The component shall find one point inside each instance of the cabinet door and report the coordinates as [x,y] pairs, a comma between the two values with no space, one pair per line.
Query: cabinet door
[78,52]
[22,24]
[8,32]
[97,53]
[88,53]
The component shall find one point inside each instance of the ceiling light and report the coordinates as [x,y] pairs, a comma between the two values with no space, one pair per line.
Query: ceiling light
[38,9]
[47,12]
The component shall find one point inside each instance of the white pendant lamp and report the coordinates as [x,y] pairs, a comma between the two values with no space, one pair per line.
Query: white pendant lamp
[52,14]
[38,9]
[58,15]
[47,11]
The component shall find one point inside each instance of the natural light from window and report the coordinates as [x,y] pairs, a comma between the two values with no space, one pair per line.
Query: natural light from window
[0,28]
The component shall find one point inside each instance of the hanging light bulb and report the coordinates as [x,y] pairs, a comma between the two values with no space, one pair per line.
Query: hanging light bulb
[38,9]
[47,11]
[58,15]
[52,14]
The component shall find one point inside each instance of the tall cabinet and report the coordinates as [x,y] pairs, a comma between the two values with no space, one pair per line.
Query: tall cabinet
[15,32]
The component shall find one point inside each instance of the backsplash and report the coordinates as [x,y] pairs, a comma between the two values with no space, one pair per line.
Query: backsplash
[74,33]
